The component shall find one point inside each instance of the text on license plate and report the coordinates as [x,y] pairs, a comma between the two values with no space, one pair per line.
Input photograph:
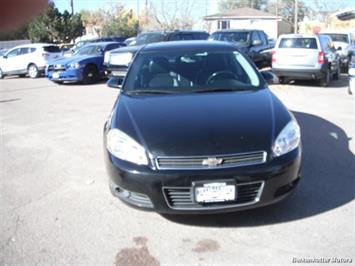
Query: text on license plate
[215,192]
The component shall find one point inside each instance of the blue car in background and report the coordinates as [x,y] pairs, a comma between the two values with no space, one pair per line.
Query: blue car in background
[85,66]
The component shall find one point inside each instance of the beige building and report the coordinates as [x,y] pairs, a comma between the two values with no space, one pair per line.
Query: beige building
[248,18]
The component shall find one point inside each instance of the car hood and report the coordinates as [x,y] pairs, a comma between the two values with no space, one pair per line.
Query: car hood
[73,59]
[202,124]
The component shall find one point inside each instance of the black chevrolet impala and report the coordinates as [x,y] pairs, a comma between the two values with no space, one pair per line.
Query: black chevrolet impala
[195,129]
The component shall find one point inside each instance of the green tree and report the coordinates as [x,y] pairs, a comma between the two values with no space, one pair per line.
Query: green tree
[18,34]
[52,26]
[120,23]
[226,5]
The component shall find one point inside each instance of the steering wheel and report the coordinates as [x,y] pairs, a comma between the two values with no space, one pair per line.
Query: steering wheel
[225,74]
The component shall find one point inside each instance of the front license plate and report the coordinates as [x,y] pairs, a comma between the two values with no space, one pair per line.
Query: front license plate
[214,192]
[56,75]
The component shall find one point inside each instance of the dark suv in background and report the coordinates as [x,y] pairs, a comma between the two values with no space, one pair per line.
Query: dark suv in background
[253,43]
[113,59]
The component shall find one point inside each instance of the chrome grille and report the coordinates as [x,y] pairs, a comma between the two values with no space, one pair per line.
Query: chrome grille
[211,162]
[182,198]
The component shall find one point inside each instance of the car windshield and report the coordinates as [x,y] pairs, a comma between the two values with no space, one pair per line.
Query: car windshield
[338,37]
[90,50]
[192,71]
[146,38]
[239,37]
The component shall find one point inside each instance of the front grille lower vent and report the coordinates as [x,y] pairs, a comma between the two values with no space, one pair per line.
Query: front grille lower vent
[182,198]
[211,162]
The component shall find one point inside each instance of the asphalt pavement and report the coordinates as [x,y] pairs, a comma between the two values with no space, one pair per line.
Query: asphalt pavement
[56,208]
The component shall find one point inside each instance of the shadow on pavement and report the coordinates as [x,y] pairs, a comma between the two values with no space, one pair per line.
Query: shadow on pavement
[327,181]
[341,83]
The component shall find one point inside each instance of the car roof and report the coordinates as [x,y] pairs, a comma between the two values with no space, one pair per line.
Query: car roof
[36,45]
[189,45]
[174,31]
[293,35]
[236,30]
[101,43]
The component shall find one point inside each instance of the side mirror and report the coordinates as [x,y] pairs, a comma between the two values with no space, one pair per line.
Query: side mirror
[270,77]
[4,56]
[339,48]
[115,82]
[256,42]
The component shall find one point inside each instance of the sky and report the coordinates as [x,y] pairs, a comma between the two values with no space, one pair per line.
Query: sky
[200,7]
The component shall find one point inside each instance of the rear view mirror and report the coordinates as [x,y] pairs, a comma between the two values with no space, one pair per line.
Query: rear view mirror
[115,82]
[270,77]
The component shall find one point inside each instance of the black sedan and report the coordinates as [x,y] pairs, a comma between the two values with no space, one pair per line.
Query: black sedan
[195,129]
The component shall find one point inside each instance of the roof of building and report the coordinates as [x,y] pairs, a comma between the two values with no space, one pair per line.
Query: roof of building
[244,12]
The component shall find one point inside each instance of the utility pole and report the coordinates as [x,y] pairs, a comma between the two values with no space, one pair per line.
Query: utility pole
[72,7]
[277,18]
[296,16]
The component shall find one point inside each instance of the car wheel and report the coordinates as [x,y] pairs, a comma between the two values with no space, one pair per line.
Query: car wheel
[1,74]
[283,80]
[33,71]
[325,80]
[90,74]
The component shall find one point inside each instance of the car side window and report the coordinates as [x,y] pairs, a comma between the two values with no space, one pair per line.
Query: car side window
[24,51]
[13,53]
[263,37]
[255,36]
[175,37]
[186,37]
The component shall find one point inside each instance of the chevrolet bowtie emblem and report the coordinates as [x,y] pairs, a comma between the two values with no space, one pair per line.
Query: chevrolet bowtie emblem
[212,162]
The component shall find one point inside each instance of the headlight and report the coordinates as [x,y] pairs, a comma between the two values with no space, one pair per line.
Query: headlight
[74,65]
[106,58]
[288,139]
[125,148]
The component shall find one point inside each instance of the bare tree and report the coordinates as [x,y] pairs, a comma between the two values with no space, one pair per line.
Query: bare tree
[169,15]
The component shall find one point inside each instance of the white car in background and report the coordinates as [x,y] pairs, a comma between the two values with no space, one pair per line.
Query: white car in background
[28,59]
[344,44]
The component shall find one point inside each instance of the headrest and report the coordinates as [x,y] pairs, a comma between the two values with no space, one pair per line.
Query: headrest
[159,65]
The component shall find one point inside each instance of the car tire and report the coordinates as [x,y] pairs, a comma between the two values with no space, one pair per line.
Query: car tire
[90,74]
[282,80]
[1,74]
[32,71]
[325,80]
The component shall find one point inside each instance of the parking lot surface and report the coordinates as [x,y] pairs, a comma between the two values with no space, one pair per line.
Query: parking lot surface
[56,208]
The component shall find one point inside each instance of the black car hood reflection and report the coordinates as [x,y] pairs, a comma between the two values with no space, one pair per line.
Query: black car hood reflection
[201,124]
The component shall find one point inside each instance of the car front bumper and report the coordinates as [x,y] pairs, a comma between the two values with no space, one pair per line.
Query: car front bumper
[299,73]
[71,74]
[172,191]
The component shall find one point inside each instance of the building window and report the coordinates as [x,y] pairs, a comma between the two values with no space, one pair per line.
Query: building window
[223,24]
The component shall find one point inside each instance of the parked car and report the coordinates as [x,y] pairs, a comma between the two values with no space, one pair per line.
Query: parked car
[85,66]
[112,58]
[351,88]
[80,44]
[195,129]
[254,43]
[344,44]
[28,59]
[298,56]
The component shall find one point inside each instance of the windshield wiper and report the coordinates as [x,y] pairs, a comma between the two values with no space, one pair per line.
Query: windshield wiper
[220,90]
[150,91]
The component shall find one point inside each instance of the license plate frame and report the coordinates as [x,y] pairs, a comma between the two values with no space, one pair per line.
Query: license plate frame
[217,191]
[56,75]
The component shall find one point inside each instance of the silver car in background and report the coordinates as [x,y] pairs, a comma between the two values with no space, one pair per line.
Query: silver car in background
[310,56]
